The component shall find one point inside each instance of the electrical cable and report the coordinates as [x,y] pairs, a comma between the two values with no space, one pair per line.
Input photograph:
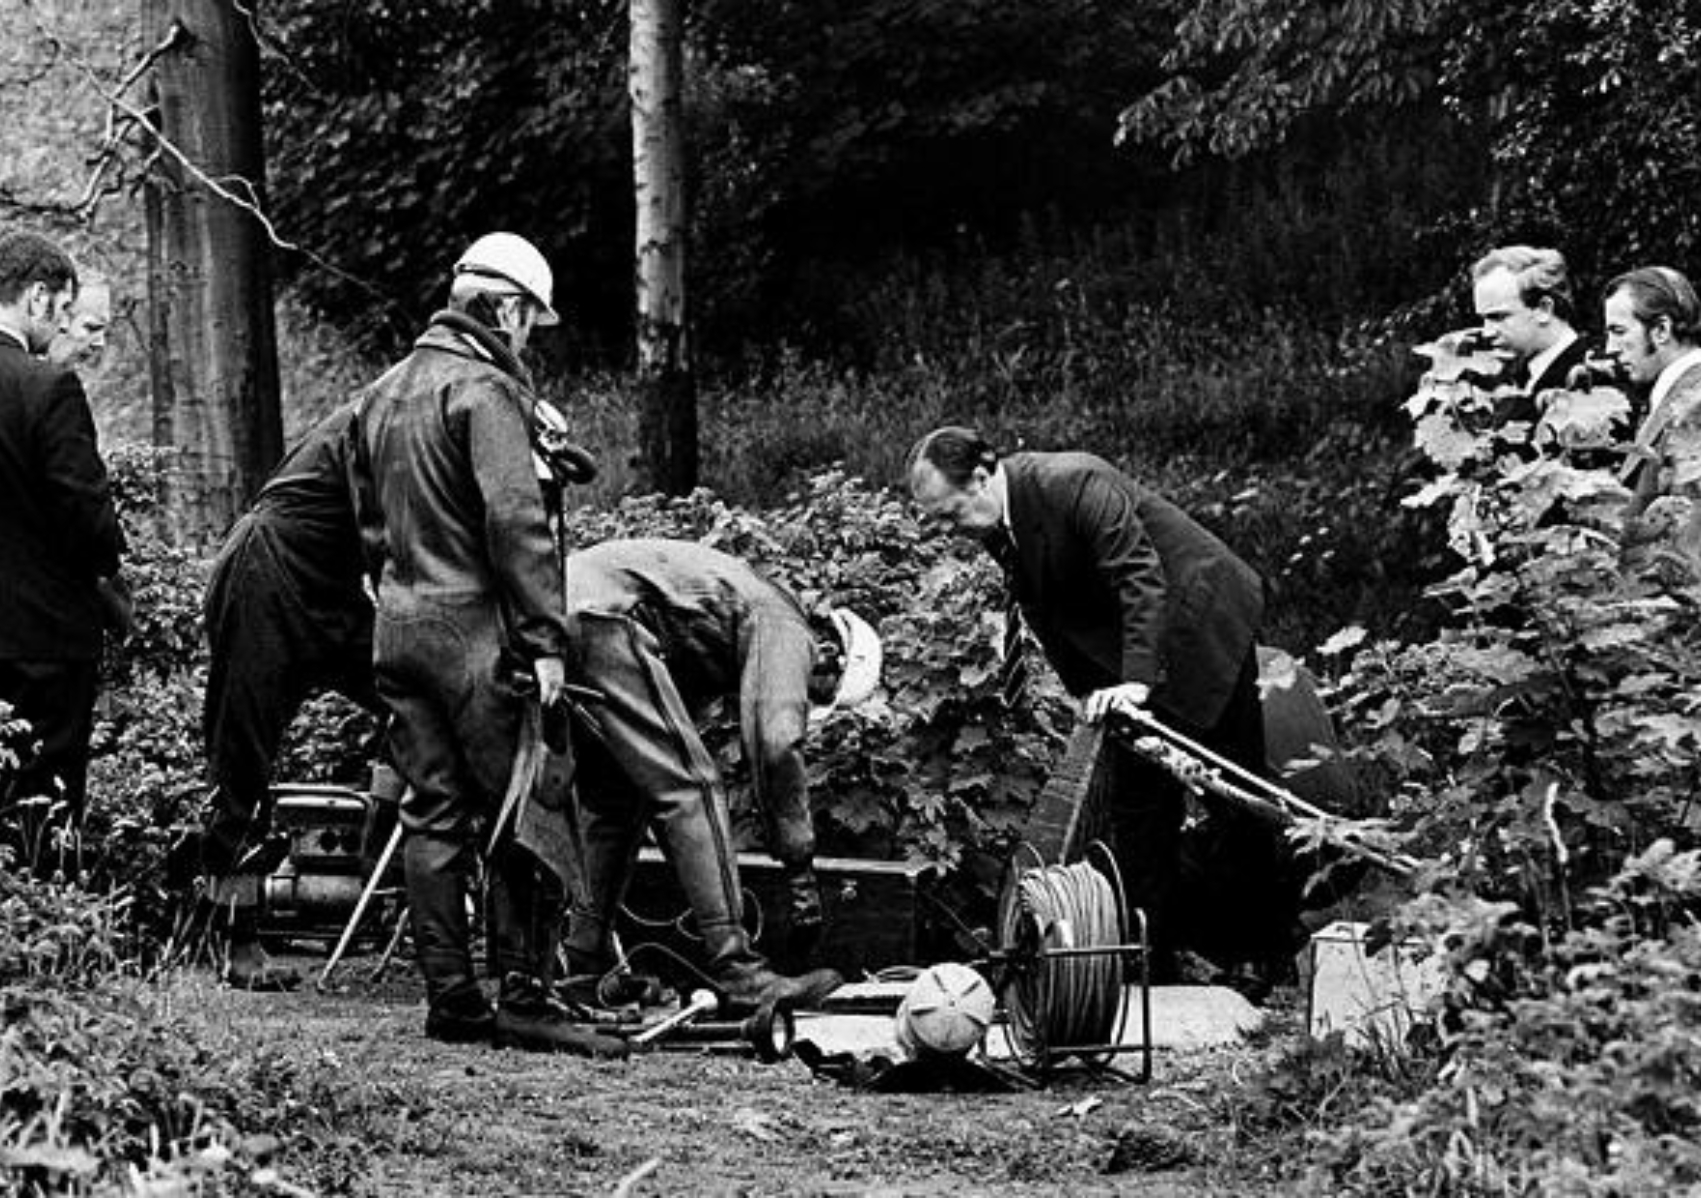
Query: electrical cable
[1062,1001]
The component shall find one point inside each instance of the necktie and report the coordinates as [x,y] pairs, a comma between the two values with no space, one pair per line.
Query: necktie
[1013,675]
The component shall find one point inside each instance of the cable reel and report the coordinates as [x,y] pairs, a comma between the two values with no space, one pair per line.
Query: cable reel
[1065,936]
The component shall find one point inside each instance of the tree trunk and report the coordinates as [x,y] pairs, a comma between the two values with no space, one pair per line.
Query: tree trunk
[667,419]
[212,350]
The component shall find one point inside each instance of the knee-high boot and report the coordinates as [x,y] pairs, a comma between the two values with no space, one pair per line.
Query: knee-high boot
[708,874]
[439,877]
[524,914]
[524,905]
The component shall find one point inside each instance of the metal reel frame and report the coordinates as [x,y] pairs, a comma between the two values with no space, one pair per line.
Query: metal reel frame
[1031,958]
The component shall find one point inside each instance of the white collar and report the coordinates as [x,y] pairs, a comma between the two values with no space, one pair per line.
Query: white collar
[23,342]
[999,485]
[1535,366]
[1669,376]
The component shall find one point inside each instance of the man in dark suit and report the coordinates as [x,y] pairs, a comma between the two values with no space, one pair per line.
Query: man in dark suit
[1522,295]
[59,535]
[1137,608]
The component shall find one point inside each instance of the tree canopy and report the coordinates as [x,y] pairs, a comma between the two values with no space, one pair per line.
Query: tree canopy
[1591,112]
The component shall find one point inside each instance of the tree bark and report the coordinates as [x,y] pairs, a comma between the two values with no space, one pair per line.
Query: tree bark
[213,363]
[667,418]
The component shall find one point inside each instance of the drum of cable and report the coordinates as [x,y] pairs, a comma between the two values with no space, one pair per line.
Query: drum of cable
[1057,1002]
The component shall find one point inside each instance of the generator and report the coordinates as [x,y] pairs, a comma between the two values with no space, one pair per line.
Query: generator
[334,836]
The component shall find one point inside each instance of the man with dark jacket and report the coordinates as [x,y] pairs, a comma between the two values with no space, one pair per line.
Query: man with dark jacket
[471,617]
[666,627]
[1138,608]
[59,536]
[1522,295]
[286,614]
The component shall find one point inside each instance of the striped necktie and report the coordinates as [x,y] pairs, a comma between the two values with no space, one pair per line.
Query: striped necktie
[1013,674]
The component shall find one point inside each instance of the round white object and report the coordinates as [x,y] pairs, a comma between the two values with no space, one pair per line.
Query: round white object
[945,1012]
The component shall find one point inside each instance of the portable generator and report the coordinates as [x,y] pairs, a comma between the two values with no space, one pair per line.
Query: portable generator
[334,836]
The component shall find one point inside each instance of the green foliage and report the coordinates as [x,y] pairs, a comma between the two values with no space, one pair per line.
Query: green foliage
[1540,751]
[938,771]
[1550,730]
[1242,73]
[1591,113]
[1597,132]
[1568,1066]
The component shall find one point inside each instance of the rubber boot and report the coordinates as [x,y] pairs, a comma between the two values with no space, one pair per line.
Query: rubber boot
[611,830]
[524,906]
[708,874]
[439,874]
[529,1018]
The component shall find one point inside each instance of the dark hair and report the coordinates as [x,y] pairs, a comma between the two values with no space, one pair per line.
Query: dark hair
[1540,274]
[954,451]
[29,258]
[1657,291]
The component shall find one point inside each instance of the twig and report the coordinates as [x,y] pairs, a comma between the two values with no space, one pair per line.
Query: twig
[628,1184]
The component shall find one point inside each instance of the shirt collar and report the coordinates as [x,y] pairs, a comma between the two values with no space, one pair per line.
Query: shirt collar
[1669,376]
[1534,368]
[23,342]
[999,485]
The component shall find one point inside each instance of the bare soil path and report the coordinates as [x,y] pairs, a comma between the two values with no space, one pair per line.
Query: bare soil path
[406,1116]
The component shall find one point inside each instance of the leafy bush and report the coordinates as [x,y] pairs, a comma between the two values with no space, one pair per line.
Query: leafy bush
[939,769]
[1539,750]
[1567,1066]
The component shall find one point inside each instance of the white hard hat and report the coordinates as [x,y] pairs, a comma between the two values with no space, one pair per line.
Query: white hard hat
[510,257]
[860,650]
[945,1012]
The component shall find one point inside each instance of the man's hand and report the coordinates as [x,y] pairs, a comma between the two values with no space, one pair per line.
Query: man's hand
[1129,698]
[551,675]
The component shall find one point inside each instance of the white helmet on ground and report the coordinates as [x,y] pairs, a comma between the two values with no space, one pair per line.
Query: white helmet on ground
[859,657]
[507,258]
[945,1012]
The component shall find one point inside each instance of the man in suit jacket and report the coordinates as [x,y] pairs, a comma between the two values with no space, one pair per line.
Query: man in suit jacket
[1522,295]
[59,532]
[1137,607]
[1653,329]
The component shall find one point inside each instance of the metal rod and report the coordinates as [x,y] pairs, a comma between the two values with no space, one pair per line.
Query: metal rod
[702,1002]
[1284,801]
[366,894]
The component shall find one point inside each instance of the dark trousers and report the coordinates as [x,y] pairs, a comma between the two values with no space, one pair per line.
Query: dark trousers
[269,651]
[643,764]
[455,722]
[1225,887]
[57,698]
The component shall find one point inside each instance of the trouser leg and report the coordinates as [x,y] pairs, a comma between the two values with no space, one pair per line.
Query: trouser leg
[524,908]
[440,878]
[57,698]
[646,731]
[611,816]
[1146,816]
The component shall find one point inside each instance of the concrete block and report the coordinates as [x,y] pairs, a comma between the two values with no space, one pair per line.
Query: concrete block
[1374,999]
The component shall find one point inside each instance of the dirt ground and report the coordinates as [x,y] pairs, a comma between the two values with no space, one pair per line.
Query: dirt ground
[408,1116]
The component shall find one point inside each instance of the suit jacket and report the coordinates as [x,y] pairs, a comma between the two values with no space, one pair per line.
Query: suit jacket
[1660,462]
[1555,374]
[59,531]
[1120,585]
[1522,404]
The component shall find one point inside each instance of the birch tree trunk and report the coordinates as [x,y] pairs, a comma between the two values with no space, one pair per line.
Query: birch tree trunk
[667,419]
[212,354]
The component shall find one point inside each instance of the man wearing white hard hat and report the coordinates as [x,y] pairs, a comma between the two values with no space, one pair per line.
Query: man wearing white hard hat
[470,602]
[663,629]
